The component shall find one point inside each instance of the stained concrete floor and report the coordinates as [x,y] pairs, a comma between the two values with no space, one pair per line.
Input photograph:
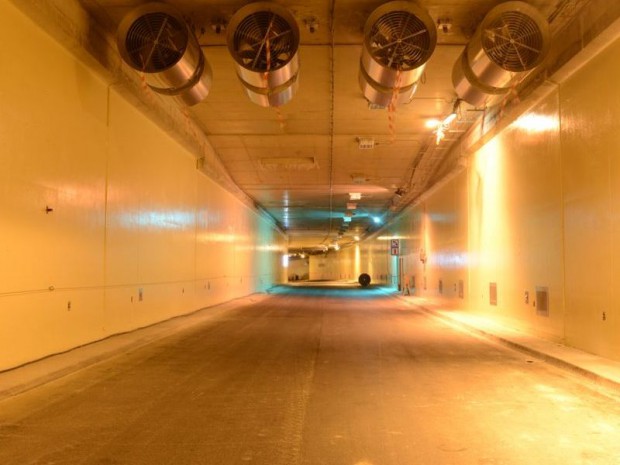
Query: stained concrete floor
[335,376]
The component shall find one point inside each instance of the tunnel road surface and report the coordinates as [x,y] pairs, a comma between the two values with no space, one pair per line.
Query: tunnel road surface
[315,376]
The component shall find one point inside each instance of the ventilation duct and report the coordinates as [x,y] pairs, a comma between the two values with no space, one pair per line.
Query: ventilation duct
[399,38]
[511,41]
[263,39]
[154,39]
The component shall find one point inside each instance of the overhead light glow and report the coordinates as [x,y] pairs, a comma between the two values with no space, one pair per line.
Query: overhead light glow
[355,195]
[432,123]
[442,127]
[285,260]
[376,219]
[357,238]
[347,219]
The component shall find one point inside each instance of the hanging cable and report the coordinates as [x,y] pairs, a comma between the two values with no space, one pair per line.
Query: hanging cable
[392,107]
[331,120]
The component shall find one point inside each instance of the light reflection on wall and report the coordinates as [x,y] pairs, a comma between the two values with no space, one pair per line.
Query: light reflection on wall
[535,122]
[169,220]
[489,203]
[490,220]
[271,248]
[388,238]
[357,262]
[451,260]
[79,196]
[212,236]
[442,217]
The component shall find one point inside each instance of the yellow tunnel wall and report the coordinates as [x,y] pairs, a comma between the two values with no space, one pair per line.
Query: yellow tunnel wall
[135,234]
[538,207]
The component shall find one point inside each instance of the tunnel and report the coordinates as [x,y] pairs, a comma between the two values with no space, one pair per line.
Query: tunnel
[215,248]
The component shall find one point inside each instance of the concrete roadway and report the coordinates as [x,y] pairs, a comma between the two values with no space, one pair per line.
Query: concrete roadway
[315,377]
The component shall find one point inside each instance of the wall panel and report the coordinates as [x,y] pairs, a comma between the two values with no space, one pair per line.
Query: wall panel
[537,208]
[137,234]
[590,102]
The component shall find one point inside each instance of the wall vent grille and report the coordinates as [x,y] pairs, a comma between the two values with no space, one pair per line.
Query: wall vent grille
[493,293]
[542,301]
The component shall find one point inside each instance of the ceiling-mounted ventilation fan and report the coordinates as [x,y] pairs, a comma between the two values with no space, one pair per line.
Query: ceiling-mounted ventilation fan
[399,38]
[263,39]
[155,40]
[511,41]
[514,41]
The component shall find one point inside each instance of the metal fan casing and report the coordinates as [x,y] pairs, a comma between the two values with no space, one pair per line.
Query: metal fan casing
[381,80]
[182,70]
[486,69]
[276,85]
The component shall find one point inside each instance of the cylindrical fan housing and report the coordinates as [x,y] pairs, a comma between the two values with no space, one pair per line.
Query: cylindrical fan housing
[399,38]
[263,39]
[511,41]
[154,39]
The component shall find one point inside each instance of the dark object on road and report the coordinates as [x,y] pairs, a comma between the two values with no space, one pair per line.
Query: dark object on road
[364,279]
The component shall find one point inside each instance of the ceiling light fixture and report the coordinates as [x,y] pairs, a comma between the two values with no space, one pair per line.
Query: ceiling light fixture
[443,126]
[355,195]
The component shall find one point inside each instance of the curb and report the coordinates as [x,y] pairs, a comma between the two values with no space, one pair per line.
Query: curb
[30,375]
[558,362]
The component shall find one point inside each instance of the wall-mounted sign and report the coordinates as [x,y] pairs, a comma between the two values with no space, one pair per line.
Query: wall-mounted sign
[395,246]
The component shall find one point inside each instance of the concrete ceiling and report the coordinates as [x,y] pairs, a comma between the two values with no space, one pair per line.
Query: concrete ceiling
[301,161]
